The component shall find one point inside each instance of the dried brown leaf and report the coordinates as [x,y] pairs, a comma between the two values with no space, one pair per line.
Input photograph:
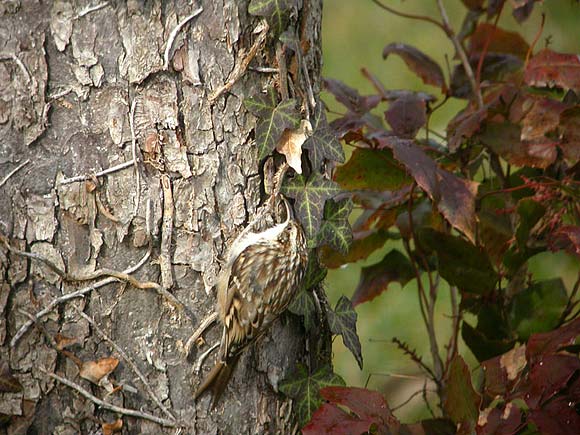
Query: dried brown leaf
[94,371]
[290,144]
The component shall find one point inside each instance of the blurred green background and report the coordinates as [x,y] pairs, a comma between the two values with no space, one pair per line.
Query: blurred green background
[354,33]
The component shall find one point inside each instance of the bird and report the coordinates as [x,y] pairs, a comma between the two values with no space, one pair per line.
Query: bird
[261,276]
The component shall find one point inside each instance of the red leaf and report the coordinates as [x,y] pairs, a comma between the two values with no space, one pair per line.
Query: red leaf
[542,118]
[548,68]
[454,197]
[548,376]
[549,342]
[406,116]
[375,279]
[570,128]
[464,126]
[328,419]
[350,97]
[504,420]
[367,404]
[556,418]
[500,41]
[421,64]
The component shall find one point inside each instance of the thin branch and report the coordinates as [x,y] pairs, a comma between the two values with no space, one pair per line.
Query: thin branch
[461,53]
[456,320]
[166,231]
[90,9]
[535,41]
[135,160]
[414,357]
[205,323]
[571,303]
[98,174]
[174,33]
[129,361]
[14,171]
[410,16]
[73,295]
[411,397]
[242,65]
[486,45]
[109,406]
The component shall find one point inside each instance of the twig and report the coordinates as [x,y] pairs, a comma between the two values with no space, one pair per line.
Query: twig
[166,230]
[98,174]
[90,9]
[283,71]
[571,304]
[109,406]
[535,41]
[129,361]
[486,45]
[16,59]
[461,53]
[264,69]
[202,357]
[410,16]
[14,171]
[135,160]
[205,323]
[73,295]
[452,350]
[242,65]
[174,33]
[414,357]
[422,391]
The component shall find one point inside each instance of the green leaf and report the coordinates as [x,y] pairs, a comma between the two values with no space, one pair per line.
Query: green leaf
[274,119]
[370,169]
[538,308]
[304,388]
[310,195]
[275,11]
[303,305]
[460,263]
[314,273]
[530,213]
[342,321]
[335,230]
[375,279]
[359,249]
[461,402]
[323,143]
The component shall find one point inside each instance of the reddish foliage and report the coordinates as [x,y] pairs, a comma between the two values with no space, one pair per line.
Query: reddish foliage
[548,68]
[497,40]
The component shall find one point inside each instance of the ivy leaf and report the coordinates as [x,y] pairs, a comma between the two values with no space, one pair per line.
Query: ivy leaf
[274,119]
[314,274]
[304,388]
[335,230]
[303,305]
[323,143]
[310,195]
[342,321]
[275,11]
[375,279]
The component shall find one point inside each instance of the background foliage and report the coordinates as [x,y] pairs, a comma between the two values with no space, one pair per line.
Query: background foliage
[355,34]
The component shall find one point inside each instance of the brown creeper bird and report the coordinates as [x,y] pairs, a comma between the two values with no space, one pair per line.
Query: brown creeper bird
[262,274]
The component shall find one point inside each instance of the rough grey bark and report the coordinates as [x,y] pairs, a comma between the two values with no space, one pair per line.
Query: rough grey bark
[72,78]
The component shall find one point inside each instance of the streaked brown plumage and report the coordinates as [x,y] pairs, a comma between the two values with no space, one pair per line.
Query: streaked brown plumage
[261,277]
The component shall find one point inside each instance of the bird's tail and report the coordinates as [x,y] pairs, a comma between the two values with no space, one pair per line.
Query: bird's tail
[217,379]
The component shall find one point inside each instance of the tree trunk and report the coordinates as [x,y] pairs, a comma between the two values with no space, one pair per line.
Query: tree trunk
[85,89]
